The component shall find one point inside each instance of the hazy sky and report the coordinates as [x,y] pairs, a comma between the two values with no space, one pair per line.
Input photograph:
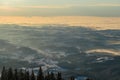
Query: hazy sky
[60,8]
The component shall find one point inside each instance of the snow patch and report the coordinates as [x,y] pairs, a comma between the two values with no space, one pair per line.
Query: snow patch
[103,59]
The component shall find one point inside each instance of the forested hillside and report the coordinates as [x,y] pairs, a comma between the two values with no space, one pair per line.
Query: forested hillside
[10,74]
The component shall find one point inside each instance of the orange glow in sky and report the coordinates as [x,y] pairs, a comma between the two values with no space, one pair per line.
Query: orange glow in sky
[92,22]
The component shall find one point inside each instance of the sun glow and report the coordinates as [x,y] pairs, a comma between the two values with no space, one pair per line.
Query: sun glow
[99,23]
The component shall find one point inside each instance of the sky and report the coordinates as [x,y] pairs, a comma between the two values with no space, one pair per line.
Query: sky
[104,8]
[97,14]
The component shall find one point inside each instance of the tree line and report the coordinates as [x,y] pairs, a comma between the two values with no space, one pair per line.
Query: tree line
[10,74]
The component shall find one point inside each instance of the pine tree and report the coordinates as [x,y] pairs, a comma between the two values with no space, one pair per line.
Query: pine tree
[47,77]
[72,78]
[40,74]
[3,74]
[88,79]
[52,76]
[21,75]
[10,74]
[59,76]
[32,76]
[27,76]
[15,74]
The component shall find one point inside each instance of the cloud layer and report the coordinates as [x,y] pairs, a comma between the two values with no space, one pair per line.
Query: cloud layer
[101,23]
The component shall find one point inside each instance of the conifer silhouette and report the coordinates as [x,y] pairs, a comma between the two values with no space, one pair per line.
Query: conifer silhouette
[59,76]
[40,75]
[3,74]
[15,74]
[32,76]
[27,75]
[10,74]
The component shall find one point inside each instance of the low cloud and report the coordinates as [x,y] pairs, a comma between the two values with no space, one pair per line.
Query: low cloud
[99,23]
[73,5]
[8,8]
[49,7]
[109,51]
[104,4]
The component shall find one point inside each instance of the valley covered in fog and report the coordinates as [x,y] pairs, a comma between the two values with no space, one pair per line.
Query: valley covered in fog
[68,49]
